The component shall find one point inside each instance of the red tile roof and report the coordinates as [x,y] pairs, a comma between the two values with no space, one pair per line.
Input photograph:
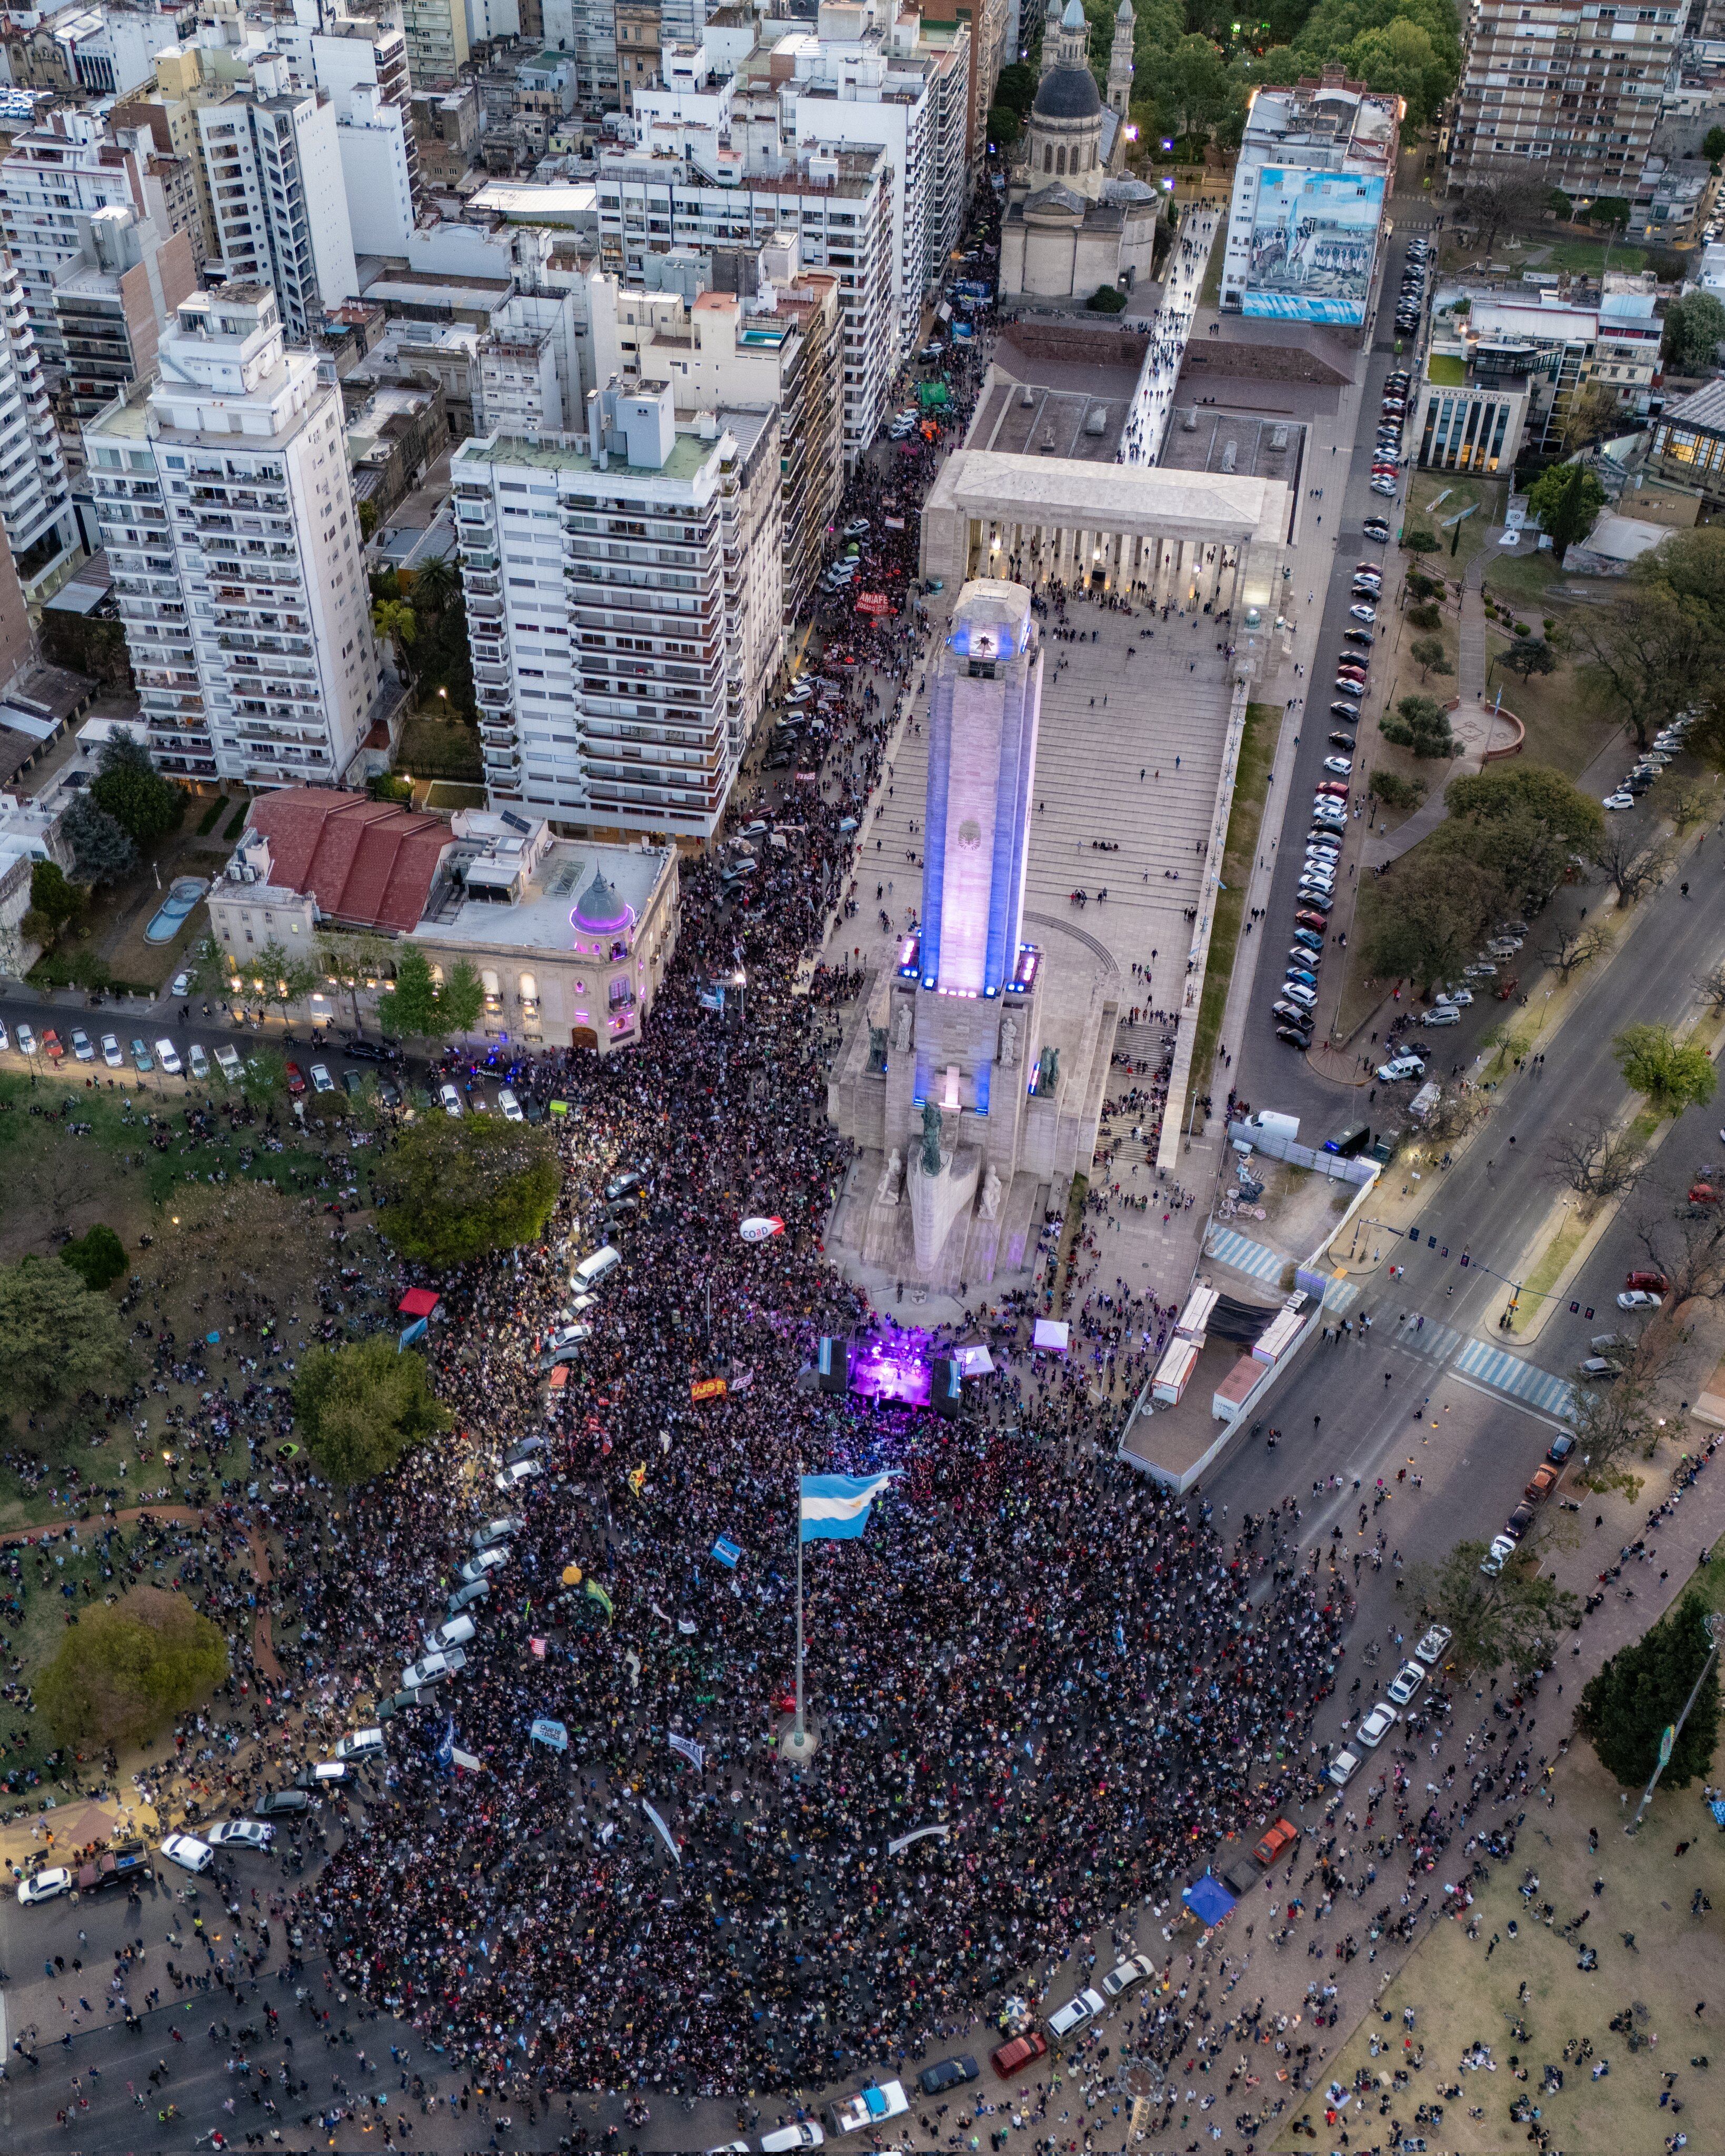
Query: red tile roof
[367,863]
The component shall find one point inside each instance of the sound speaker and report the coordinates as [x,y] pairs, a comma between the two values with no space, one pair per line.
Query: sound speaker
[832,1363]
[945,1398]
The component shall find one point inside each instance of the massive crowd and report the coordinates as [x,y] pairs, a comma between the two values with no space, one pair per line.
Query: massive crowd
[1030,1648]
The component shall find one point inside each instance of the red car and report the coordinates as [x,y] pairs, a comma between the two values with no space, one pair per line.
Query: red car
[1654,1283]
[1282,1837]
[1545,1481]
[1306,918]
[52,1047]
[296,1080]
[1012,2058]
[1337,788]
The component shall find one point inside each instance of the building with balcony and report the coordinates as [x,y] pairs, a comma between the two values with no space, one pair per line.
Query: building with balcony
[571,940]
[112,302]
[779,346]
[35,499]
[50,178]
[835,198]
[622,591]
[1572,87]
[276,188]
[437,48]
[226,514]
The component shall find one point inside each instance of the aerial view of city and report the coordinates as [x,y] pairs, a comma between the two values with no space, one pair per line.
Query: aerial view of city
[767,1380]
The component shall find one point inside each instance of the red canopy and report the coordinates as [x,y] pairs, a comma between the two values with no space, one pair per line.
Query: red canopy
[418,1302]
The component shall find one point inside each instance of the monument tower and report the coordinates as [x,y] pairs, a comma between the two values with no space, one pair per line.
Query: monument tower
[951,1082]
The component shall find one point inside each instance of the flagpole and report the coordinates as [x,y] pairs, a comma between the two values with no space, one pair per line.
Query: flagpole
[798,1737]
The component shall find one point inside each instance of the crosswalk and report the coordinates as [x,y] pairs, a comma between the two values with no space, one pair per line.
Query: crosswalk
[1245,1256]
[1437,1343]
[1508,1374]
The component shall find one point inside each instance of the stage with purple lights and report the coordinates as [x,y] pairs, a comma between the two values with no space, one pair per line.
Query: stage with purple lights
[899,1367]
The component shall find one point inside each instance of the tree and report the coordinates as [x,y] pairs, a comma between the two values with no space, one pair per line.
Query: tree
[1571,949]
[1565,498]
[1015,88]
[1688,1247]
[1713,145]
[359,1409]
[1610,210]
[54,898]
[1003,127]
[1560,205]
[102,851]
[1523,821]
[263,1077]
[1710,987]
[1610,1422]
[1592,409]
[1427,654]
[1643,1689]
[1596,1160]
[98,1257]
[1421,724]
[1693,331]
[1400,60]
[1189,79]
[208,968]
[1634,870]
[1504,193]
[1425,616]
[1429,917]
[57,1340]
[463,1188]
[1420,587]
[286,979]
[1395,791]
[422,1007]
[123,1672]
[1512,1619]
[1526,656]
[394,623]
[1107,300]
[353,963]
[1417,540]
[144,805]
[1670,1074]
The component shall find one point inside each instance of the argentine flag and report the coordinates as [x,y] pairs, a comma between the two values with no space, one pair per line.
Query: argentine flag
[835,1508]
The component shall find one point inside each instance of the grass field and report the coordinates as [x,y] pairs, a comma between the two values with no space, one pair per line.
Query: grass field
[1257,752]
[1527,2000]
[1564,728]
[1487,496]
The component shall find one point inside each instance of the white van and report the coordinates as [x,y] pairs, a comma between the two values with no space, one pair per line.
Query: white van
[603,1262]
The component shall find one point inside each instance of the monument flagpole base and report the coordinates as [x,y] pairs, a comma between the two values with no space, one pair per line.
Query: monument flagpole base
[798,1749]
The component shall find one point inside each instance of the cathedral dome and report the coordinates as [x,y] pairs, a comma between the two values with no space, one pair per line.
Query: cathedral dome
[1067,93]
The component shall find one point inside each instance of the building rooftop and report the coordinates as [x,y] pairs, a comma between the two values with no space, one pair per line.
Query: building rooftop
[1204,439]
[542,919]
[1342,121]
[1705,409]
[364,861]
[569,453]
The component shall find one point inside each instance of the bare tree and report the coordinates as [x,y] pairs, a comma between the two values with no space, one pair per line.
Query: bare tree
[1595,1160]
[1710,987]
[1693,803]
[1610,1422]
[1571,949]
[1500,194]
[1456,1115]
[1690,1250]
[1631,869]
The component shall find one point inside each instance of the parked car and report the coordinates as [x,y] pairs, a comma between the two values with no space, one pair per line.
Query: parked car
[296,1080]
[805,2133]
[1376,1726]
[283,1803]
[111,1054]
[52,1046]
[1542,1482]
[1081,2007]
[947,2073]
[142,1058]
[1406,1682]
[1399,1067]
[430,1669]
[321,1082]
[1638,1298]
[1012,2058]
[510,1106]
[81,1047]
[449,1099]
[369,1051]
[1125,1974]
[1342,1768]
[453,1632]
[1654,1283]
[243,1832]
[228,1064]
[1282,1837]
[869,2108]
[198,1063]
[48,1886]
[187,1851]
[1432,1643]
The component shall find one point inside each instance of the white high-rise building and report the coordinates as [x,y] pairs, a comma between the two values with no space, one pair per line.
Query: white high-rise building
[35,502]
[222,492]
[623,591]
[276,188]
[52,177]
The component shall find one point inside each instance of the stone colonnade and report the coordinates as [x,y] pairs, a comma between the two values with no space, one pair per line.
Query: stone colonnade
[1161,571]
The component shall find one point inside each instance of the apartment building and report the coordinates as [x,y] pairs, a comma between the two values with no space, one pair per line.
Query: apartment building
[623,605]
[276,188]
[223,493]
[111,49]
[112,300]
[835,197]
[50,178]
[780,347]
[35,500]
[1573,85]
[169,110]
[530,368]
[438,49]
[639,34]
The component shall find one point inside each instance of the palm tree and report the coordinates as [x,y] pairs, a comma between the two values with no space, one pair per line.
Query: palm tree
[394,623]
[434,586]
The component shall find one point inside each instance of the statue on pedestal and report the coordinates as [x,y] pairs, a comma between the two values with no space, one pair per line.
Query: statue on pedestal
[877,1047]
[992,1188]
[1008,1041]
[931,1138]
[886,1190]
[1049,1070]
[901,1037]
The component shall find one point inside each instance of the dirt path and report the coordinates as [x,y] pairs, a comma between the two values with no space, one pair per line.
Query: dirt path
[263,1639]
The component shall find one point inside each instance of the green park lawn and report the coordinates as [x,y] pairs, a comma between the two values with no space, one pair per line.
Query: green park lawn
[1252,781]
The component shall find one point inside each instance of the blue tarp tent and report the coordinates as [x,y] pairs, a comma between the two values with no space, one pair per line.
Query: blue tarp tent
[1208,1899]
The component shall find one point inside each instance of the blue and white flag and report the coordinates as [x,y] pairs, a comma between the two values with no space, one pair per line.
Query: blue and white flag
[694,1753]
[835,1508]
[545,1730]
[446,1749]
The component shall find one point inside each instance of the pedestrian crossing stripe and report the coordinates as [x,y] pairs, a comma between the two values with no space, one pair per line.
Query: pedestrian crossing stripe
[1438,1341]
[1508,1374]
[1245,1256]
[1341,1294]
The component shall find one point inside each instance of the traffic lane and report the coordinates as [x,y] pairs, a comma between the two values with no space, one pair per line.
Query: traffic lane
[1500,1192]
[1289,1079]
[208,1033]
